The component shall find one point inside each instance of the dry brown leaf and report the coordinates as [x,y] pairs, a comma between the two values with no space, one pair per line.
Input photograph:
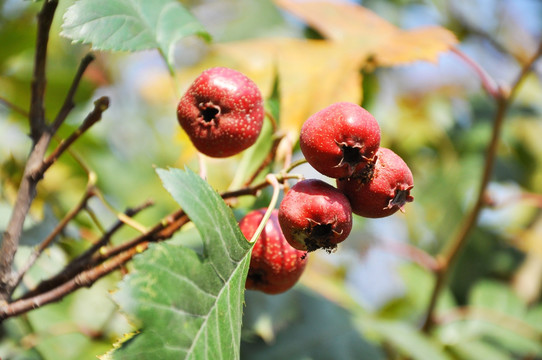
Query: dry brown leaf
[371,35]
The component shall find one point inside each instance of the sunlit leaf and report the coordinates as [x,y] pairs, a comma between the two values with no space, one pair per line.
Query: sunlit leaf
[386,44]
[188,305]
[130,25]
[312,75]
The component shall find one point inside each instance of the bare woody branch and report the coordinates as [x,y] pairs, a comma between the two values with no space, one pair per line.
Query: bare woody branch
[39,81]
[92,259]
[27,188]
[56,231]
[92,118]
[34,170]
[68,102]
[84,279]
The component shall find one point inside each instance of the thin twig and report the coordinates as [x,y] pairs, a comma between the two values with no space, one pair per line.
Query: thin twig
[272,180]
[13,107]
[267,161]
[56,231]
[410,252]
[161,231]
[82,262]
[92,118]
[295,164]
[489,84]
[33,173]
[83,279]
[37,110]
[122,216]
[68,102]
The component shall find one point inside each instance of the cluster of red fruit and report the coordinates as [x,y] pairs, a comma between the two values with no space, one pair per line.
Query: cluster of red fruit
[222,112]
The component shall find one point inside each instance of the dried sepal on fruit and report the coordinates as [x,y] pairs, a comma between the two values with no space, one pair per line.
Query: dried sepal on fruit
[315,215]
[387,190]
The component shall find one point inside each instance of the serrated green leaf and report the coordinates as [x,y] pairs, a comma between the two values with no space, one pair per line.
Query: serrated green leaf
[188,305]
[130,25]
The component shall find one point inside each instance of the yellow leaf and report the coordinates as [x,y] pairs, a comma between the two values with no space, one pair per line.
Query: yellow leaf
[314,74]
[377,39]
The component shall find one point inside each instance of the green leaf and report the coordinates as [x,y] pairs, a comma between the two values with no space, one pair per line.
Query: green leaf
[131,25]
[407,339]
[475,349]
[496,296]
[188,305]
[504,320]
[302,325]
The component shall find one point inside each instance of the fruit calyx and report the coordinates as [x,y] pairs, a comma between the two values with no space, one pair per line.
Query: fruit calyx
[401,197]
[320,235]
[366,174]
[209,113]
[352,155]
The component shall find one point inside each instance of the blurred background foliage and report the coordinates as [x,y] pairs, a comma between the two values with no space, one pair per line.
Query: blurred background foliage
[365,301]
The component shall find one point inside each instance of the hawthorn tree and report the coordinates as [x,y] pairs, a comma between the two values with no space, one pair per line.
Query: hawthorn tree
[120,240]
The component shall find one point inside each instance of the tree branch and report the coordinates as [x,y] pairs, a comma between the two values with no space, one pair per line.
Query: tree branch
[450,254]
[92,118]
[68,102]
[163,230]
[488,83]
[37,110]
[40,138]
[12,234]
[83,261]
[33,173]
[56,231]
[84,279]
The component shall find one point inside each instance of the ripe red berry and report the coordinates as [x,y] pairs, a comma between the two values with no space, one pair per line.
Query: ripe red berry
[275,266]
[387,191]
[314,215]
[340,139]
[222,112]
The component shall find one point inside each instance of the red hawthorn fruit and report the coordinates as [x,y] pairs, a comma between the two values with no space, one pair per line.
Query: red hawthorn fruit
[387,191]
[340,140]
[222,112]
[275,266]
[314,215]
